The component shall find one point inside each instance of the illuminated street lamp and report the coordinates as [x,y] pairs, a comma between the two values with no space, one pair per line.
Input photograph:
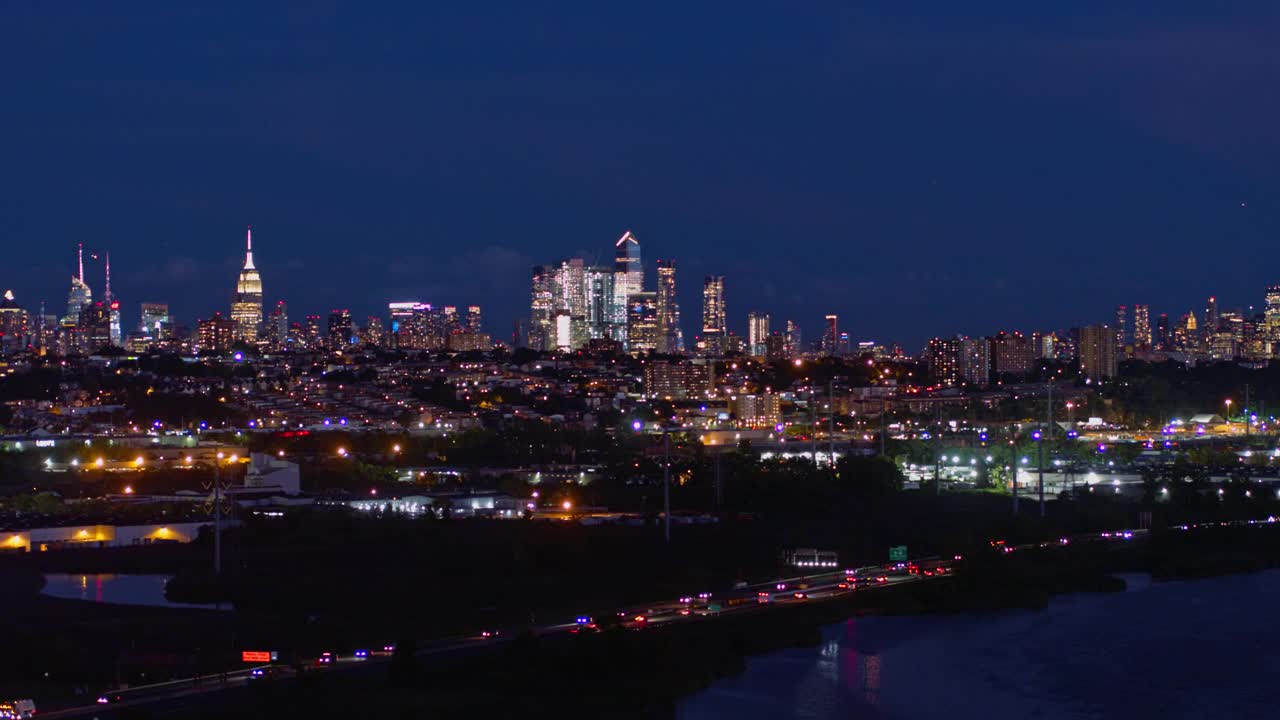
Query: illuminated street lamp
[566,505]
[342,452]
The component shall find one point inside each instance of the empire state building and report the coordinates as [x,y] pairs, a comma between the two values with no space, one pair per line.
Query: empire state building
[246,307]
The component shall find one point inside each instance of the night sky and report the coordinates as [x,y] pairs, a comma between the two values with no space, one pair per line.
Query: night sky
[919,168]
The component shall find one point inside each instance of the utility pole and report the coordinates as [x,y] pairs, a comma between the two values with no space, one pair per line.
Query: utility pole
[1246,414]
[666,485]
[1044,437]
[1013,464]
[831,428]
[217,516]
[813,426]
[884,410]
[937,449]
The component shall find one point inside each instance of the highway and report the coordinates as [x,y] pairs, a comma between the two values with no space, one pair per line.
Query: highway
[700,605]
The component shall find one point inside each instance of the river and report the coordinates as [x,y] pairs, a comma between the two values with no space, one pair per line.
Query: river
[1187,649]
[112,588]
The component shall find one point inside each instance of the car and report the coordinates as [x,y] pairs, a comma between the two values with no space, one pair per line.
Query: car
[781,586]
[583,620]
[361,654]
[262,673]
[326,658]
[844,585]
[489,634]
[686,600]
[704,595]
[800,596]
[684,611]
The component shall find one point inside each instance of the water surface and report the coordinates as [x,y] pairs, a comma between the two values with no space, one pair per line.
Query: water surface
[111,588]
[1195,649]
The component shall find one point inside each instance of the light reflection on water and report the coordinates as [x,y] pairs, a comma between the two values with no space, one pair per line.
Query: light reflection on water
[112,588]
[1168,650]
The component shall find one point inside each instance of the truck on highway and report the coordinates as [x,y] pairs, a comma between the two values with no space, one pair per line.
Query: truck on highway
[17,709]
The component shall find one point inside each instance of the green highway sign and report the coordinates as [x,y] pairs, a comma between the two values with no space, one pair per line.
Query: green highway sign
[898,553]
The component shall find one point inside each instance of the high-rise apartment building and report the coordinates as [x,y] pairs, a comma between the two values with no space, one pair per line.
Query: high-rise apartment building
[277,328]
[1011,354]
[831,336]
[1122,327]
[757,333]
[975,361]
[1098,352]
[1141,327]
[473,318]
[1163,335]
[246,306]
[215,335]
[341,331]
[793,339]
[943,358]
[714,322]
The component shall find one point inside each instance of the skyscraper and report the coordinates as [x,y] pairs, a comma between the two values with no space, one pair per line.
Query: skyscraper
[628,274]
[246,305]
[113,309]
[1121,327]
[1163,337]
[757,333]
[1141,327]
[793,339]
[642,322]
[669,335]
[278,326]
[473,318]
[714,325]
[831,336]
[80,294]
[1271,315]
[542,309]
[341,331]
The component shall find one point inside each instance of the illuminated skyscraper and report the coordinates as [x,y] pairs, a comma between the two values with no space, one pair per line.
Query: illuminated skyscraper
[246,306]
[670,339]
[642,322]
[113,309]
[542,307]
[80,294]
[602,316]
[1271,315]
[214,335]
[831,336]
[793,339]
[277,328]
[473,318]
[15,325]
[975,361]
[1141,327]
[1163,336]
[714,323]
[341,330]
[1121,327]
[757,333]
[628,274]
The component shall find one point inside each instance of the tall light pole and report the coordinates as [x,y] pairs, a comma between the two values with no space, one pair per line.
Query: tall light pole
[217,516]
[666,486]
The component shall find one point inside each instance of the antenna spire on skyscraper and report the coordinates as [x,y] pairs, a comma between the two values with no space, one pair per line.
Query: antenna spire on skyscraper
[80,260]
[248,248]
[107,291]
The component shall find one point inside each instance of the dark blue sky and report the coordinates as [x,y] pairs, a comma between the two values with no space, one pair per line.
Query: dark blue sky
[919,168]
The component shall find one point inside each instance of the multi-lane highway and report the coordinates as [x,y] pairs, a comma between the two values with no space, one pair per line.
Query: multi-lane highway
[698,605]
